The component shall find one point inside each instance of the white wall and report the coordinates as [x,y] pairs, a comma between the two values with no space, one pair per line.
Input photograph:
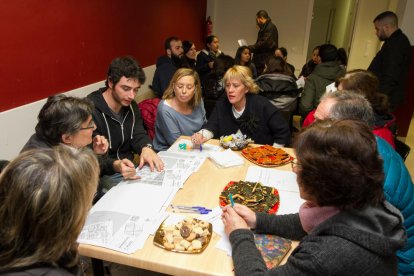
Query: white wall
[236,19]
[18,124]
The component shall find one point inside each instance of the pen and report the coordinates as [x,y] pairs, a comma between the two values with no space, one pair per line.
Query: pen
[231,200]
[191,211]
[196,208]
[201,147]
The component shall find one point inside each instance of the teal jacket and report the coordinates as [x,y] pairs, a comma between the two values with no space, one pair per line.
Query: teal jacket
[399,191]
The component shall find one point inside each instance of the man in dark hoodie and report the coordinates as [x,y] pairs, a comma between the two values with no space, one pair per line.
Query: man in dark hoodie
[118,118]
[168,64]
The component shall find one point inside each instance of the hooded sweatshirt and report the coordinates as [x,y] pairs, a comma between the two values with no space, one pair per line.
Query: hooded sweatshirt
[354,242]
[125,137]
[324,74]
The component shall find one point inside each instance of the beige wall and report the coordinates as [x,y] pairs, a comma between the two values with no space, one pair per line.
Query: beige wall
[235,19]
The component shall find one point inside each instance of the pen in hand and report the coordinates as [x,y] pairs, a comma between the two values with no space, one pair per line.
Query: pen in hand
[231,199]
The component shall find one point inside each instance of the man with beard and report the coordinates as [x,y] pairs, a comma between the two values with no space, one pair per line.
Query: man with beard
[392,62]
[168,64]
[267,40]
[118,118]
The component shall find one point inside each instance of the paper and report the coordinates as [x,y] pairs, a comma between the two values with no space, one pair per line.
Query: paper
[242,42]
[331,88]
[226,158]
[300,82]
[206,148]
[283,181]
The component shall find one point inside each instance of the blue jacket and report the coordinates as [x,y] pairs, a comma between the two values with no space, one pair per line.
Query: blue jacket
[399,191]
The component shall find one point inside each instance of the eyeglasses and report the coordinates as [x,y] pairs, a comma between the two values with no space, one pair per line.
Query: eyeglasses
[90,126]
[294,163]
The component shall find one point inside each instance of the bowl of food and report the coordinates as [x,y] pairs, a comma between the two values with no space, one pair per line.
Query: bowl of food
[236,141]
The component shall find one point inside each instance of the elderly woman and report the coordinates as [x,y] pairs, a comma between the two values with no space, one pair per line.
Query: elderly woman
[45,197]
[243,110]
[345,227]
[68,120]
[181,111]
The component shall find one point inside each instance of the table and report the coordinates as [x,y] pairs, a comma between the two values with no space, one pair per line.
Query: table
[202,188]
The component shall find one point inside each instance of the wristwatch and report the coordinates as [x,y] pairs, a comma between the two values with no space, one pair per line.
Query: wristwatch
[148,146]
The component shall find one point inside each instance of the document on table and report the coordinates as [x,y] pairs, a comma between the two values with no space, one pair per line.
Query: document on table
[284,182]
[205,149]
[125,216]
[178,166]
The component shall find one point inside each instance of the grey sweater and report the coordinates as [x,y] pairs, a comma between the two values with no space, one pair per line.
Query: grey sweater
[349,243]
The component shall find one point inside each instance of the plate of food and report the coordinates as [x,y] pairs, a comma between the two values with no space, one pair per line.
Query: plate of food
[236,141]
[267,156]
[188,236]
[254,195]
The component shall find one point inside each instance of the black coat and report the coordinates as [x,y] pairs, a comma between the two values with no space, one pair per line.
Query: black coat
[391,65]
[266,44]
[260,121]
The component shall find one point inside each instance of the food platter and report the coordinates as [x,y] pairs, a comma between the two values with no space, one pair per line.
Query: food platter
[267,156]
[254,195]
[235,142]
[189,236]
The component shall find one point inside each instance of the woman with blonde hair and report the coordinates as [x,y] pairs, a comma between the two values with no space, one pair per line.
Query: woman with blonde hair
[45,195]
[243,110]
[181,111]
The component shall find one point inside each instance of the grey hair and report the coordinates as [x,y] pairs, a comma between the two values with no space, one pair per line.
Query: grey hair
[350,105]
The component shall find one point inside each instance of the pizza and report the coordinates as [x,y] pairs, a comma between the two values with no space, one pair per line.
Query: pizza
[267,156]
[254,195]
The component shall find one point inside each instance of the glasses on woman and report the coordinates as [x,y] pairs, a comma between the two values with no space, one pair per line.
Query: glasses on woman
[91,125]
[294,163]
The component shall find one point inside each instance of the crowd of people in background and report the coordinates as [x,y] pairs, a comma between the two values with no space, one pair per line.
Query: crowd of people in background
[359,198]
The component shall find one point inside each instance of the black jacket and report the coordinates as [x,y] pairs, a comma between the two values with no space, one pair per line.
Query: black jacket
[125,138]
[391,65]
[260,121]
[163,75]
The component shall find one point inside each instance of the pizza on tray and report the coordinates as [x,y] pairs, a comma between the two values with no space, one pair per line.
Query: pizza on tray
[254,195]
[267,156]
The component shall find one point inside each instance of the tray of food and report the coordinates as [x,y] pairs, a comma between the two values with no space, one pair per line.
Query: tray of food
[187,236]
[267,156]
[254,195]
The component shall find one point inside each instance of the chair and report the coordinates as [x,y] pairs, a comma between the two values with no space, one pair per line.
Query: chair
[402,148]
[148,110]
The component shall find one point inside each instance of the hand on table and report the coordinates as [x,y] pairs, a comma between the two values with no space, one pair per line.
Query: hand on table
[100,144]
[149,156]
[126,168]
[198,139]
[233,221]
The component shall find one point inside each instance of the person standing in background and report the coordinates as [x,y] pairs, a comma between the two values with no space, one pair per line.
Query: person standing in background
[392,62]
[267,40]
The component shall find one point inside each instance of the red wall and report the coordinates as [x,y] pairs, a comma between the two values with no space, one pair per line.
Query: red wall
[55,46]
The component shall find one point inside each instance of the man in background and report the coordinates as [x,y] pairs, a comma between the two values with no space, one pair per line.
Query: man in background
[267,40]
[392,62]
[168,64]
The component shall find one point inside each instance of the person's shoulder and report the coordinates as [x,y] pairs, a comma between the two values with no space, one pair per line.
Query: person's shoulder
[95,95]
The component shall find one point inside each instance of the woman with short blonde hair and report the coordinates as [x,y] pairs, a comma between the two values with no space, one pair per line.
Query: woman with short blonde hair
[242,110]
[45,196]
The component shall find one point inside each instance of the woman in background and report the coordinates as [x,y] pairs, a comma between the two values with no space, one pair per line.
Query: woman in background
[345,226]
[244,57]
[45,196]
[307,69]
[278,85]
[207,56]
[282,52]
[181,110]
[213,88]
[190,53]
[243,110]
